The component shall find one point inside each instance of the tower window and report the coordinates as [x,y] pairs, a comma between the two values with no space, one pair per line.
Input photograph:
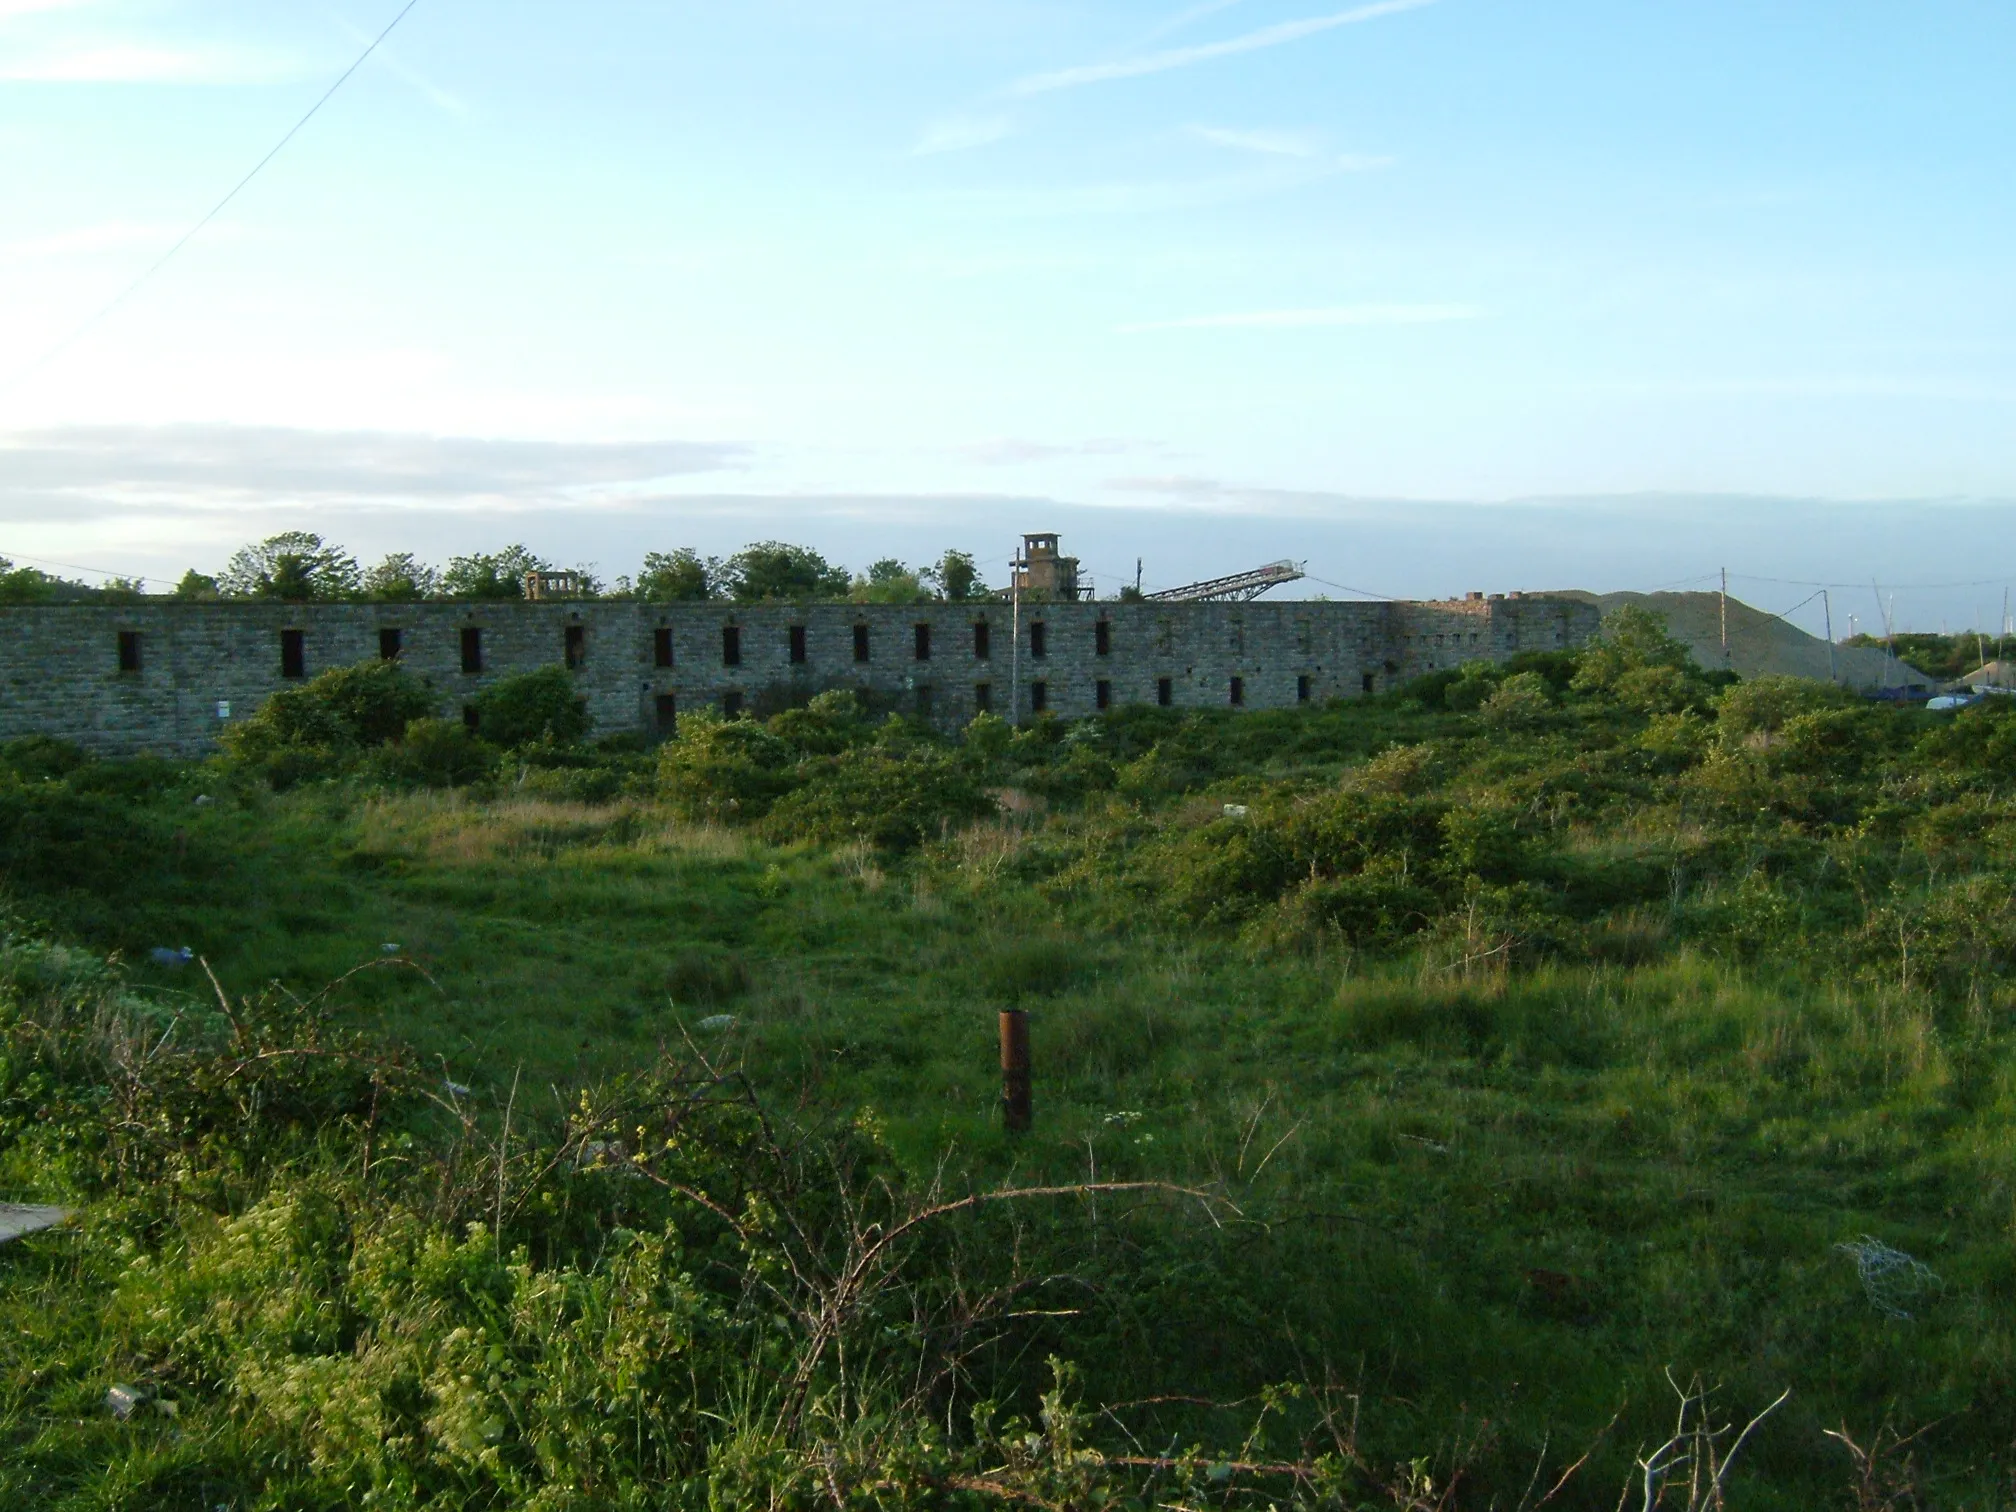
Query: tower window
[129,650]
[1165,691]
[293,654]
[1039,697]
[391,643]
[982,640]
[1102,693]
[577,646]
[797,645]
[923,643]
[860,643]
[731,646]
[665,707]
[1102,638]
[983,697]
[731,705]
[472,650]
[1238,691]
[1302,689]
[661,646]
[1039,638]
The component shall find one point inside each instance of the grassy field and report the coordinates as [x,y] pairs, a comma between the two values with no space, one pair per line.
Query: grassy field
[1528,1045]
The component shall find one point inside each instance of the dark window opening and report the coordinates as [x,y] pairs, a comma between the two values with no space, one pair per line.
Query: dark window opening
[731,645]
[983,697]
[293,654]
[1302,689]
[391,643]
[1102,638]
[1366,682]
[1102,694]
[1165,691]
[577,646]
[1238,691]
[923,643]
[1039,639]
[731,705]
[470,718]
[661,646]
[129,650]
[860,643]
[982,640]
[797,645]
[472,650]
[666,707]
[923,703]
[1039,697]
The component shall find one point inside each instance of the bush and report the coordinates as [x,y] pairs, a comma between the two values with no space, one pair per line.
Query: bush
[723,770]
[436,753]
[532,707]
[893,798]
[322,727]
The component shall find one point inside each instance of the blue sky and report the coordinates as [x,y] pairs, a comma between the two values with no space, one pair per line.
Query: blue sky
[1210,283]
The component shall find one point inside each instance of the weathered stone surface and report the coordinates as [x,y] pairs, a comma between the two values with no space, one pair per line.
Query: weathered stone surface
[203,666]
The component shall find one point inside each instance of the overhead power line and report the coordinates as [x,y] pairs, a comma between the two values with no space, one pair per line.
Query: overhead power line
[215,210]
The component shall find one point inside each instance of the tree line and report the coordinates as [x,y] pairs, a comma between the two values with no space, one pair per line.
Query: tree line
[298,566]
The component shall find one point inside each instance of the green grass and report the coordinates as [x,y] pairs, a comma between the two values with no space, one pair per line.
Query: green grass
[1470,1188]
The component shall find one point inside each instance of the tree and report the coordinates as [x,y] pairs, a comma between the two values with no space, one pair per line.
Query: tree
[1636,662]
[492,575]
[778,570]
[889,582]
[401,578]
[26,585]
[196,585]
[678,577]
[297,566]
[957,576]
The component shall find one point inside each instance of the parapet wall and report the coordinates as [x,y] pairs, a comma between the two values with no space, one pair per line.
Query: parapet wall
[167,677]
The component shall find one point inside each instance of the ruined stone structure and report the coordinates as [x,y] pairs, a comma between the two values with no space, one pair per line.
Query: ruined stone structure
[167,676]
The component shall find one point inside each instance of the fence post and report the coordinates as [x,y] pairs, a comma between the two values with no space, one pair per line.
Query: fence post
[1015,1109]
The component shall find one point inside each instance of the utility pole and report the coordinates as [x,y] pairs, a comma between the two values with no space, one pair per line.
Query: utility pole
[1827,606]
[1137,577]
[2003,633]
[1015,637]
[1725,618]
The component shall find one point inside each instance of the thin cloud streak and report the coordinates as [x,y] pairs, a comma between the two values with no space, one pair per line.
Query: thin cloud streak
[1187,57]
[961,134]
[1268,143]
[1337,315]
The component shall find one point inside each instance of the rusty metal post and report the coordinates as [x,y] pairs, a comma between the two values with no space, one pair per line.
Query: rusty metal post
[1015,1109]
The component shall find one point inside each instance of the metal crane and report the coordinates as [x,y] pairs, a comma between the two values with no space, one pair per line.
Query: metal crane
[1238,588]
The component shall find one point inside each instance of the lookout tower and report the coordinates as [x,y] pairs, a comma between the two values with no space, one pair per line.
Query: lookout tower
[553,585]
[1042,572]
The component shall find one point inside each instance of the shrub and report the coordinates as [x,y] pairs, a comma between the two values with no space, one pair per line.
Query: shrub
[323,726]
[1518,703]
[1763,705]
[723,769]
[533,706]
[893,798]
[436,753]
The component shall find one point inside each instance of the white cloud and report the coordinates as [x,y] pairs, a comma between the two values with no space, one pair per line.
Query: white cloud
[1268,143]
[1186,57]
[1335,315]
[961,134]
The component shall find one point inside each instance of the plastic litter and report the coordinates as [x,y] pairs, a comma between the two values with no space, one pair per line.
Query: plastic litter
[18,1220]
[204,800]
[714,1023]
[456,1089]
[390,947]
[124,1401]
[1235,811]
[1893,1282]
[161,955]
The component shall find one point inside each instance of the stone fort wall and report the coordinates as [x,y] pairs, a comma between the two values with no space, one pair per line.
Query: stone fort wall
[167,677]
